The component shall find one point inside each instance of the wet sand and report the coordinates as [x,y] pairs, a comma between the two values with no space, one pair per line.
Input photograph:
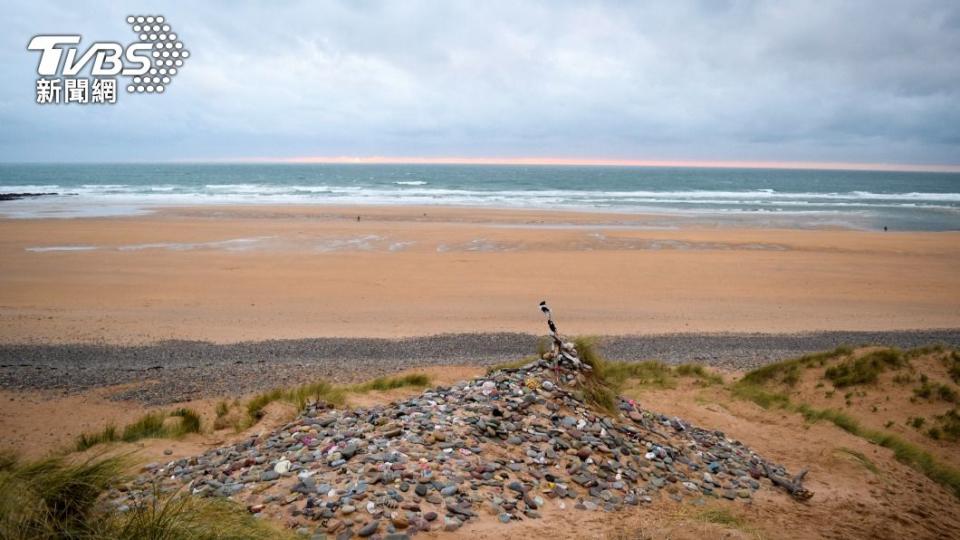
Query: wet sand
[229,274]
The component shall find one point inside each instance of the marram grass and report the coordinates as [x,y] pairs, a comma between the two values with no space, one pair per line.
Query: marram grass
[301,396]
[751,387]
[53,499]
[149,426]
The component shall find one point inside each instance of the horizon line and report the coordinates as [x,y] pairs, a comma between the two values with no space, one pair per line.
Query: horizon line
[594,162]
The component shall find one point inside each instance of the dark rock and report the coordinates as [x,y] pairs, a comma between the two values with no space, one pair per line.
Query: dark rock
[368,529]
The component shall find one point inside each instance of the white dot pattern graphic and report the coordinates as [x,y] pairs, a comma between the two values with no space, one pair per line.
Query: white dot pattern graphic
[167,51]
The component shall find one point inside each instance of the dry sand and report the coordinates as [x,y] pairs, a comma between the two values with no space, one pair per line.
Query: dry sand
[250,273]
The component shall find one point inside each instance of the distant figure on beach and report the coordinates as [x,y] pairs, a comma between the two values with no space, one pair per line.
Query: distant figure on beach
[358,218]
[884,228]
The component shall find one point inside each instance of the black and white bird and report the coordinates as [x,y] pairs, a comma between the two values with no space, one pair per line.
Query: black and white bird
[550,323]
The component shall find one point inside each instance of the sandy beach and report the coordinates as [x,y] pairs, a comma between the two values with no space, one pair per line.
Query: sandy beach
[107,321]
[539,270]
[229,274]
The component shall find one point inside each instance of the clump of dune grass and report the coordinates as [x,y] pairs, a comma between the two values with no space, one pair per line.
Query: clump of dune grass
[759,395]
[951,424]
[903,378]
[697,371]
[150,426]
[229,415]
[933,391]
[516,364]
[257,403]
[186,517]
[600,384]
[587,352]
[952,362]
[840,419]
[600,395]
[860,458]
[788,371]
[88,440]
[51,498]
[189,421]
[654,373]
[303,395]
[651,373]
[720,516]
[382,384]
[866,369]
[222,409]
[948,426]
[54,498]
[925,350]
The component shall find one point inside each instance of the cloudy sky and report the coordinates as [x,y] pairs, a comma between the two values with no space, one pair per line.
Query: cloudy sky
[800,81]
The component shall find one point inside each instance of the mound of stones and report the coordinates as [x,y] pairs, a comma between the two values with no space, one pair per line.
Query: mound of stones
[510,446]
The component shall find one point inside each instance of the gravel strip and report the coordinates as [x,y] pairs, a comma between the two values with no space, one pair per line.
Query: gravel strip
[173,371]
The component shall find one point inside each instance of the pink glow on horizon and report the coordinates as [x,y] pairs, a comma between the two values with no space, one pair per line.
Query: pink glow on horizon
[535,161]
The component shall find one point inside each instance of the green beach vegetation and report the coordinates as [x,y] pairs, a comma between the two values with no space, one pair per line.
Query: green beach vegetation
[865,369]
[153,425]
[301,396]
[759,385]
[157,425]
[56,498]
[607,379]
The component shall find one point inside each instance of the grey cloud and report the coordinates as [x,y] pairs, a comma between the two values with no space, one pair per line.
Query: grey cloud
[793,80]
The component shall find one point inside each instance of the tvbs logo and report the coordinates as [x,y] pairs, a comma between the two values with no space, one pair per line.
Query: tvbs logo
[150,63]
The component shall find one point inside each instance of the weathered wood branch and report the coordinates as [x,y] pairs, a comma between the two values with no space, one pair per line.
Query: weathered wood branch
[793,486]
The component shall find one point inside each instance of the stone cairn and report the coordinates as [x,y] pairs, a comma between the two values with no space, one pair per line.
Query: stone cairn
[509,446]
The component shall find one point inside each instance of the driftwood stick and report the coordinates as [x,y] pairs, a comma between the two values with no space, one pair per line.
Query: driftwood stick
[561,351]
[557,342]
[557,347]
[793,486]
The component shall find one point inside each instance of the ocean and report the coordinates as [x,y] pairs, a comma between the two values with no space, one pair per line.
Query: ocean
[764,197]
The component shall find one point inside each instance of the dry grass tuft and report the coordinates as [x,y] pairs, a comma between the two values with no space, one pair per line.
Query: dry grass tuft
[866,369]
[53,499]
[788,371]
[150,426]
[322,391]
